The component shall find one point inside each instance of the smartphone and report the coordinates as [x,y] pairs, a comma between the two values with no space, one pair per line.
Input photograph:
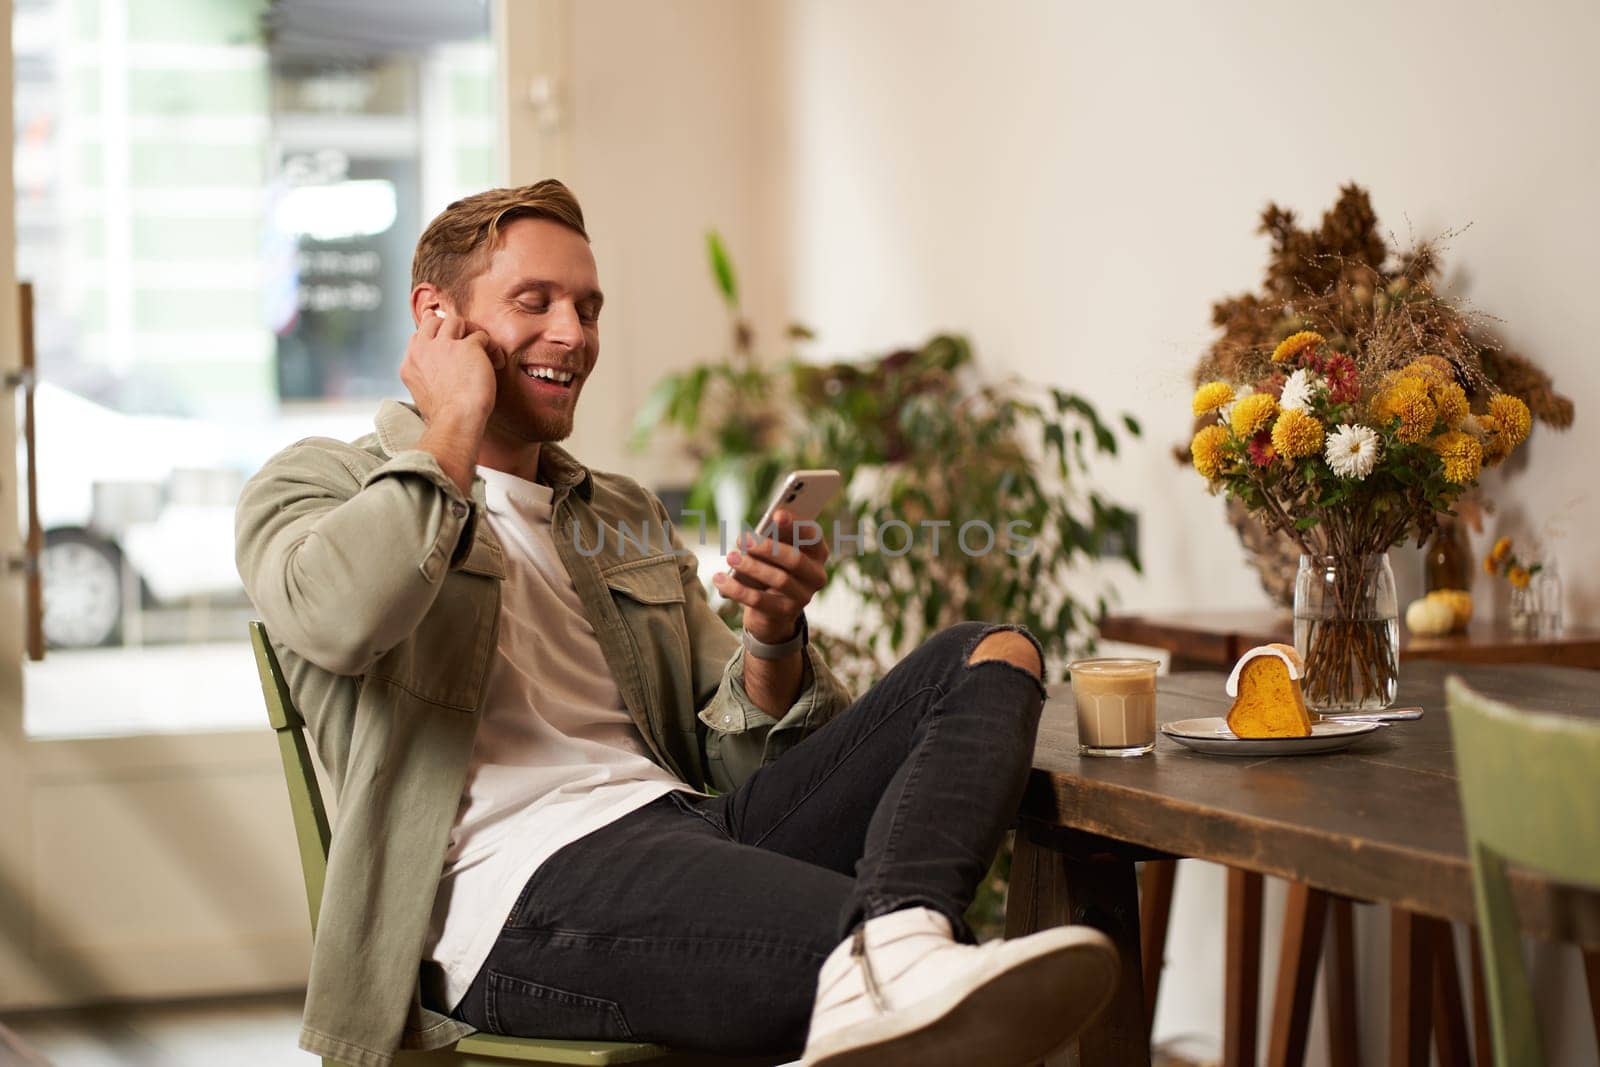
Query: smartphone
[803,494]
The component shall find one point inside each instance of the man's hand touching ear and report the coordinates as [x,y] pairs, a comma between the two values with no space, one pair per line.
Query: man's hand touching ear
[450,370]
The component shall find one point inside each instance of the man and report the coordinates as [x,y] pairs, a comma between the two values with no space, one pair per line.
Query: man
[560,791]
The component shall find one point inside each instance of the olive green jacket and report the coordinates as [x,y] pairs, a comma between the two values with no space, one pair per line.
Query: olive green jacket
[380,588]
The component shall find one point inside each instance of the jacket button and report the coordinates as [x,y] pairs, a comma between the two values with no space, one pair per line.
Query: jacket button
[727,720]
[458,510]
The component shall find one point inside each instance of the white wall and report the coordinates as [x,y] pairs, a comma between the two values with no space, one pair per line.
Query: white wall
[1073,185]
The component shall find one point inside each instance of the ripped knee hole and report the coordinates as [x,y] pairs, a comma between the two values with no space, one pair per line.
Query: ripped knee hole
[1010,646]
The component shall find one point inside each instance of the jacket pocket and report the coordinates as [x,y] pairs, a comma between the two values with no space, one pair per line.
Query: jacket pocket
[648,594]
[655,580]
[516,1007]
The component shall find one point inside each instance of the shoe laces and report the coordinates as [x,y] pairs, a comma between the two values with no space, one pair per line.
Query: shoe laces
[858,949]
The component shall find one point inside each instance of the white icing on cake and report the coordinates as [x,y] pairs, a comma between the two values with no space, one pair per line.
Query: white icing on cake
[1290,660]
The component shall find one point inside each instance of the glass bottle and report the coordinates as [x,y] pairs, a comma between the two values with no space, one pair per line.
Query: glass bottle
[1448,563]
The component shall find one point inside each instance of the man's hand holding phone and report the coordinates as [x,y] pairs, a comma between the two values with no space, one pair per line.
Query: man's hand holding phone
[784,576]
[449,369]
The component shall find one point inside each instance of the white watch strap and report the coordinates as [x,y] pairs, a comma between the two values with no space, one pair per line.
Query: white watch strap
[762,650]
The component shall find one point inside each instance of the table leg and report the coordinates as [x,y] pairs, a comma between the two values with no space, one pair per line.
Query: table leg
[1449,1019]
[1304,919]
[1155,909]
[1052,888]
[1591,968]
[1242,982]
[1339,985]
[1410,988]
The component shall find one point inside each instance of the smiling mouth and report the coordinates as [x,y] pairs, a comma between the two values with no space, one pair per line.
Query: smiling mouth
[551,376]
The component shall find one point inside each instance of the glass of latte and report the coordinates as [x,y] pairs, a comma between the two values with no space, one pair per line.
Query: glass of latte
[1116,701]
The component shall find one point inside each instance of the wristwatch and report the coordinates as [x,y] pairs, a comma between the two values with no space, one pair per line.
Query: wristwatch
[761,650]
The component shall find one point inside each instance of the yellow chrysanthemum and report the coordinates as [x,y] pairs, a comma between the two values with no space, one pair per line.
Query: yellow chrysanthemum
[1211,396]
[1297,434]
[1462,455]
[1295,344]
[1252,413]
[1407,400]
[1386,402]
[1513,417]
[1501,549]
[1207,448]
[1409,383]
[1435,370]
[1488,566]
[1519,577]
[1451,401]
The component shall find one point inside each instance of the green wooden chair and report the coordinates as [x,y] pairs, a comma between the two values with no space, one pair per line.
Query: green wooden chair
[312,831]
[1530,794]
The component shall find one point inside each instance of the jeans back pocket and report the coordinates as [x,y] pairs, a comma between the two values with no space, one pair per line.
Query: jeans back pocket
[516,1007]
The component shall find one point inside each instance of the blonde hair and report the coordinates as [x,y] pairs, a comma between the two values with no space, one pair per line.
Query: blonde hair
[456,246]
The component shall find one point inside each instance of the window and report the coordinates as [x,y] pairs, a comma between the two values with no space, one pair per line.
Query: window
[217,201]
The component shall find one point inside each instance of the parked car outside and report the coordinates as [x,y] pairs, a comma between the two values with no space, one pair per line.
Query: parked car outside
[137,509]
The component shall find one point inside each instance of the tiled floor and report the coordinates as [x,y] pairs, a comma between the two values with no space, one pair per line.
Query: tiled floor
[248,1032]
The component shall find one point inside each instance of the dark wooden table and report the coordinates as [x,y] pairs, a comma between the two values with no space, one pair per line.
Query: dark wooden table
[1378,822]
[1202,640]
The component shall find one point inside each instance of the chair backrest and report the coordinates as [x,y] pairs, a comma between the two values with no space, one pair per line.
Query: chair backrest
[305,796]
[1530,794]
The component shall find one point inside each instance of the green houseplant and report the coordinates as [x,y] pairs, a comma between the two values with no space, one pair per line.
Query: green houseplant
[975,491]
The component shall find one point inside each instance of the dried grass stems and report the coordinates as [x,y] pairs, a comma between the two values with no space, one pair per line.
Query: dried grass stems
[1379,305]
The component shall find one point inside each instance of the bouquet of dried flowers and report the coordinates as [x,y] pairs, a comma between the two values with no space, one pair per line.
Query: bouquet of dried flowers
[1377,306]
[1345,453]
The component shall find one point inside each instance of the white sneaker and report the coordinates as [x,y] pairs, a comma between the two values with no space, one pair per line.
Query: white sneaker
[903,991]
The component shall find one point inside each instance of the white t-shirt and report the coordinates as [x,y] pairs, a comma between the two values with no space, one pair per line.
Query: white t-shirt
[556,755]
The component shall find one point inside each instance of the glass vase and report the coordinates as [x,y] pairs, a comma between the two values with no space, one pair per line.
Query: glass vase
[1524,611]
[1347,631]
[1547,591]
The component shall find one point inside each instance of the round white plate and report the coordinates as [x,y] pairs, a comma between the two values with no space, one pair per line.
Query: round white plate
[1212,735]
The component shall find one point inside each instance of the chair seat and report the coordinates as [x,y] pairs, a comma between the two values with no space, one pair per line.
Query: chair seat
[548,1050]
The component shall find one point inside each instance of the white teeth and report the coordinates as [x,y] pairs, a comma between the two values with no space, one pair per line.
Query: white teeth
[549,374]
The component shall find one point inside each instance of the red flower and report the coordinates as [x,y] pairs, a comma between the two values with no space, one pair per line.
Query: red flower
[1262,454]
[1272,385]
[1340,371]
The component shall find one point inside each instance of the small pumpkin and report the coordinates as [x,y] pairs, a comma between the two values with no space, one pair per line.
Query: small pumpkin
[1430,617]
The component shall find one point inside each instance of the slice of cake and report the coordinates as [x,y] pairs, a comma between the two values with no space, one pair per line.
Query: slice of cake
[1267,702]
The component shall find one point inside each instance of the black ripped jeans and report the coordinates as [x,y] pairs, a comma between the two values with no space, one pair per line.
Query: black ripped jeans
[701,923]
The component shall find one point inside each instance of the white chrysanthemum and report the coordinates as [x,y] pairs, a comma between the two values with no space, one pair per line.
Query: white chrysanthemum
[1352,451]
[1471,425]
[1297,390]
[1225,412]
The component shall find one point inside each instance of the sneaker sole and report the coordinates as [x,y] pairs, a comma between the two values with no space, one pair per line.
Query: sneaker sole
[1057,992]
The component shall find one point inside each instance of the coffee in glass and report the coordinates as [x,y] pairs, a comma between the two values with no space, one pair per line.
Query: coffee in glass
[1116,702]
